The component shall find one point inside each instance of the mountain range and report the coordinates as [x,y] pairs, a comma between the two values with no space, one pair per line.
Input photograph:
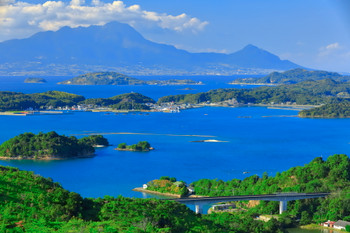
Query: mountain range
[119,47]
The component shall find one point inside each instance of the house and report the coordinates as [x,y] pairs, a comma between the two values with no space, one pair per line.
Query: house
[329,223]
[341,224]
[144,186]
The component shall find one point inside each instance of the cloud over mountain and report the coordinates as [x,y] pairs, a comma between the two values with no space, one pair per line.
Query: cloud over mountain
[21,19]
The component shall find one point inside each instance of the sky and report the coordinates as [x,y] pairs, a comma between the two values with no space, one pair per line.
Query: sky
[311,33]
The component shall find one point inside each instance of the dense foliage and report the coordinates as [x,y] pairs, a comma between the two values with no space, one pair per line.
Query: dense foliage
[103,78]
[31,203]
[308,92]
[49,146]
[337,110]
[168,185]
[293,76]
[15,101]
[124,101]
[140,146]
[332,175]
[94,140]
[19,101]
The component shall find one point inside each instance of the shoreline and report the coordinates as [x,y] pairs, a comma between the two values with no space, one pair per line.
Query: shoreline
[142,190]
[254,84]
[47,158]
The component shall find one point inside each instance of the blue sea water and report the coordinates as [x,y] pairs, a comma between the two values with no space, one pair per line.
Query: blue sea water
[255,140]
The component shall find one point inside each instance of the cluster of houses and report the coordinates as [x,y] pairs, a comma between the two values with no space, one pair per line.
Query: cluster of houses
[340,225]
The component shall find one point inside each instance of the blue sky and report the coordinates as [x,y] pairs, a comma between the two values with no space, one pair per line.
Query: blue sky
[312,33]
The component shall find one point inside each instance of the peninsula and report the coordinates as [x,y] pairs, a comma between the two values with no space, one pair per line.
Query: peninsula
[50,146]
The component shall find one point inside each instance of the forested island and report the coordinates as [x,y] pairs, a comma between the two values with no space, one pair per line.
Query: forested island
[50,146]
[114,78]
[16,101]
[142,146]
[35,80]
[31,203]
[336,110]
[292,77]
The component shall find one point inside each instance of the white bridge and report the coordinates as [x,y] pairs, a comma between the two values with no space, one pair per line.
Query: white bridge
[283,198]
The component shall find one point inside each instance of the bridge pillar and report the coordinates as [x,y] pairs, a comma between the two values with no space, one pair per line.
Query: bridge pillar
[283,206]
[199,209]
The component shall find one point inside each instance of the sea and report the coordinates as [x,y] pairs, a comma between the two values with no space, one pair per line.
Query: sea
[249,140]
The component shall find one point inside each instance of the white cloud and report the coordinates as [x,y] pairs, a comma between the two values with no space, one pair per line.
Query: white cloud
[21,19]
[329,49]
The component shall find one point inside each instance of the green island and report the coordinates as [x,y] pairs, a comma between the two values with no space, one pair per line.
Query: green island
[114,78]
[141,146]
[35,80]
[292,77]
[16,101]
[336,110]
[49,146]
[170,185]
[31,203]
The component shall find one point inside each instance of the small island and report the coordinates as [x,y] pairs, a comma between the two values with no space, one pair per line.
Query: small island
[167,186]
[35,80]
[142,146]
[50,146]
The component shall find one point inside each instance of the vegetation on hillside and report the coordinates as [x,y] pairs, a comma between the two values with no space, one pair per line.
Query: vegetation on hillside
[293,76]
[15,101]
[140,146]
[31,203]
[336,110]
[305,93]
[124,101]
[49,146]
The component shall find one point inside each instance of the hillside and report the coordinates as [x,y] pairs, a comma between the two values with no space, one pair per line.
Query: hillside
[31,203]
[292,77]
[16,101]
[117,46]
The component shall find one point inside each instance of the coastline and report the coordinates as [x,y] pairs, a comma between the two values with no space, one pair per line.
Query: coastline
[142,190]
[47,158]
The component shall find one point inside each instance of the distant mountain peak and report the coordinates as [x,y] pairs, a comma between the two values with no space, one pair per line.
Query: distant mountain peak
[118,46]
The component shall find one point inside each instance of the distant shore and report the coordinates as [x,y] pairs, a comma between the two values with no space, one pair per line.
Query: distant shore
[254,84]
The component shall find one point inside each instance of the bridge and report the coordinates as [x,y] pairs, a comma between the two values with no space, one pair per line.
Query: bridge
[283,198]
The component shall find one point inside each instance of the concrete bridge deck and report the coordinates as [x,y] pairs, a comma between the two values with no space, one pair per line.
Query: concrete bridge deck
[283,198]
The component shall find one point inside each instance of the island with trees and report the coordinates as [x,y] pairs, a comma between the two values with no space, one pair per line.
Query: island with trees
[50,146]
[291,77]
[166,185]
[35,80]
[142,146]
[114,78]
